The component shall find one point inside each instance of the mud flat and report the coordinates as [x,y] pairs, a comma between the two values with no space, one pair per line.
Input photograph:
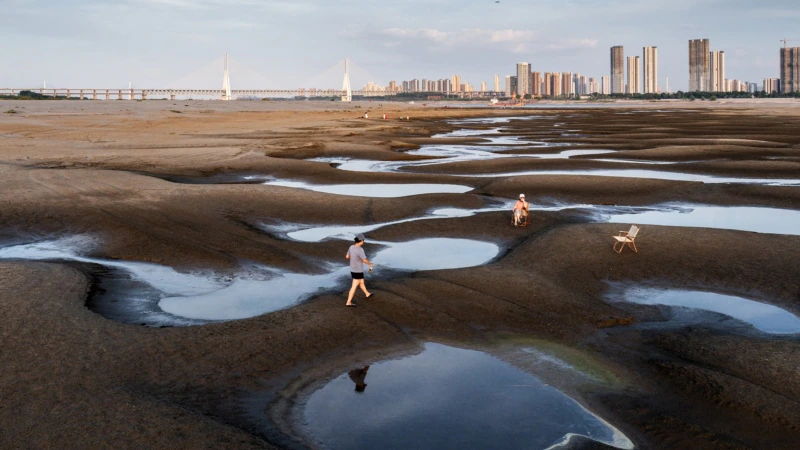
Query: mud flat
[180,200]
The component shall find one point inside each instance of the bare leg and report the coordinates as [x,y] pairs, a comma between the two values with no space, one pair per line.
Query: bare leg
[353,291]
[363,288]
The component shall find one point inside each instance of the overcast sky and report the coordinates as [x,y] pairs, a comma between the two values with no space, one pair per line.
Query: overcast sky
[290,44]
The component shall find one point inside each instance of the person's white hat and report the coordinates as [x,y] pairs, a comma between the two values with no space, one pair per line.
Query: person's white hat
[521,195]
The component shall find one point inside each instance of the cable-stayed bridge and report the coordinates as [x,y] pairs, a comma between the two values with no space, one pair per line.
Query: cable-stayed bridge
[226,72]
[196,85]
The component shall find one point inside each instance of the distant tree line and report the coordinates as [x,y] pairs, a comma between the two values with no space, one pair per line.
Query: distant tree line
[31,95]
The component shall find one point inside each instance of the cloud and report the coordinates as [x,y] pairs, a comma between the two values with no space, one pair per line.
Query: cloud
[515,41]
[266,5]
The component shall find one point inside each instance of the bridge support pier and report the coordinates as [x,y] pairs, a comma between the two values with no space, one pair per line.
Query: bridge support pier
[120,94]
[144,94]
[172,97]
[131,97]
[94,94]
[108,95]
[68,94]
[81,94]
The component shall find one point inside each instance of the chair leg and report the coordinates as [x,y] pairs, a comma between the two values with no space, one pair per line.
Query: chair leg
[615,248]
[633,247]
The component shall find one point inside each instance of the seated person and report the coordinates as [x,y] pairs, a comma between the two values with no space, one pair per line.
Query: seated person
[521,209]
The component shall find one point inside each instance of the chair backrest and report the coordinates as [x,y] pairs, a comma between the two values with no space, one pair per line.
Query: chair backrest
[633,231]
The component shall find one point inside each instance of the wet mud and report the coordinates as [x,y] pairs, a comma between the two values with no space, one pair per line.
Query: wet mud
[73,378]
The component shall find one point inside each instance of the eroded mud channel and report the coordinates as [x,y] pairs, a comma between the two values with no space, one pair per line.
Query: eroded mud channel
[706,314]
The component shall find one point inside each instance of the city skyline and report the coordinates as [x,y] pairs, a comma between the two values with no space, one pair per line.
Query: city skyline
[289,44]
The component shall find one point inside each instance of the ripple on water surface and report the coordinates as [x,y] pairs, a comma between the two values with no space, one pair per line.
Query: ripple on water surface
[447,397]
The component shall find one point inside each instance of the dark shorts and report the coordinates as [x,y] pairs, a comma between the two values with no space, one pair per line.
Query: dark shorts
[357,275]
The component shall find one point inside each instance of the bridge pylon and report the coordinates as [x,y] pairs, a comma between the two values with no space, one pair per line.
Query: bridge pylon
[348,93]
[226,81]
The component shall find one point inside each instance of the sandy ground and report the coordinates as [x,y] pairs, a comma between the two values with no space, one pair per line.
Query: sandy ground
[73,379]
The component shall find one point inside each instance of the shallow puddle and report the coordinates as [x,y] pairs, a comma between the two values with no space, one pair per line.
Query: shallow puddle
[651,174]
[435,254]
[159,295]
[743,218]
[376,190]
[467,132]
[446,155]
[762,316]
[317,234]
[251,297]
[447,397]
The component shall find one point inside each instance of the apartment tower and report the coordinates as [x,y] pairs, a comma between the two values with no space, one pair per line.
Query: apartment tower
[650,69]
[567,85]
[699,65]
[617,70]
[634,78]
[523,79]
[790,69]
[536,84]
[717,81]
[772,85]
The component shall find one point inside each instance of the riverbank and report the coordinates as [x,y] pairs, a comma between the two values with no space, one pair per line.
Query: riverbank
[100,170]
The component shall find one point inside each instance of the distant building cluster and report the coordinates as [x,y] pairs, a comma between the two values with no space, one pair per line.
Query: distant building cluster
[632,74]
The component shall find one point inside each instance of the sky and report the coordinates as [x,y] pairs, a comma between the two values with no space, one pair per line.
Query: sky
[302,43]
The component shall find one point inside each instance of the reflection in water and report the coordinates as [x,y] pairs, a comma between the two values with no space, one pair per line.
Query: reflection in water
[767,318]
[359,376]
[447,397]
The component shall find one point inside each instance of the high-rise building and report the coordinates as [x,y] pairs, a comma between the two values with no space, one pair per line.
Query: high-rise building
[605,85]
[496,83]
[483,86]
[513,86]
[508,86]
[790,69]
[567,85]
[699,66]
[617,70]
[547,84]
[455,81]
[593,87]
[772,85]
[523,78]
[717,72]
[536,84]
[556,89]
[634,78]
[650,69]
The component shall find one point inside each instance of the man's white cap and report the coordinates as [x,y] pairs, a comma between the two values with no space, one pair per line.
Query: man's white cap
[521,195]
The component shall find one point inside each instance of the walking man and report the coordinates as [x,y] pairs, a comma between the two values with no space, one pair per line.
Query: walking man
[357,259]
